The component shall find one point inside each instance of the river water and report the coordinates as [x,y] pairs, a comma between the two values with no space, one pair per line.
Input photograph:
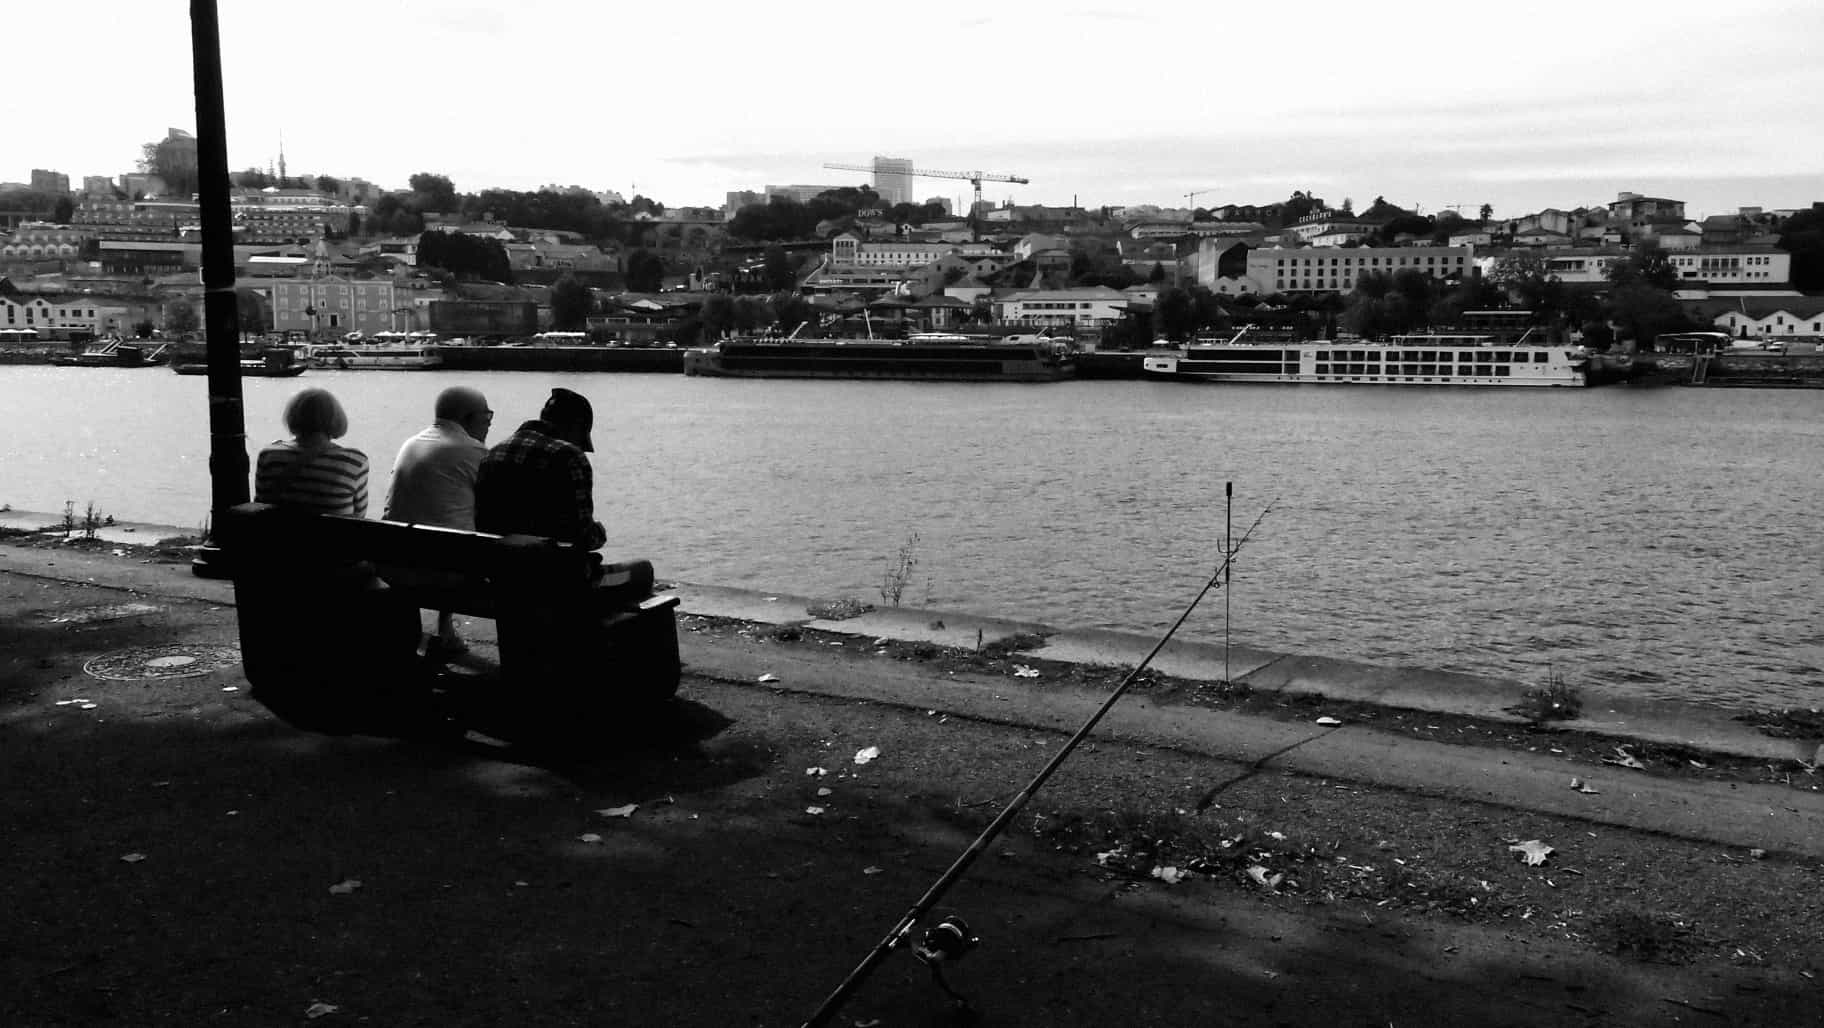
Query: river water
[1659,542]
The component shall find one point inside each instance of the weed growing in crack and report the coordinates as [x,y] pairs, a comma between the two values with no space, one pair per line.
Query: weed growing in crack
[1556,700]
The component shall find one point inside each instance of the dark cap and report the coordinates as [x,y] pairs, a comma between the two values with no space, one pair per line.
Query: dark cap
[573,409]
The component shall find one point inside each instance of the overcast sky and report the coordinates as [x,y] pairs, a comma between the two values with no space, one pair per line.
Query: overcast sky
[1520,105]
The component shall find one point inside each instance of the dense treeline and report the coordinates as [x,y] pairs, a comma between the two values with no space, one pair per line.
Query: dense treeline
[465,256]
[783,218]
[569,210]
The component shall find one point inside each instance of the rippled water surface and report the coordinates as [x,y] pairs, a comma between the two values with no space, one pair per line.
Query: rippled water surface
[1666,542]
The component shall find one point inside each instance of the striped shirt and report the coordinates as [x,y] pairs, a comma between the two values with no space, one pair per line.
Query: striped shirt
[332,480]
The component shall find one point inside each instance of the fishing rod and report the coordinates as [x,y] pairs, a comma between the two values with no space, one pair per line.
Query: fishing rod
[950,938]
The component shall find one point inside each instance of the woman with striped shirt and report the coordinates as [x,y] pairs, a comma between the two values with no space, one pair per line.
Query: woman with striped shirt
[310,471]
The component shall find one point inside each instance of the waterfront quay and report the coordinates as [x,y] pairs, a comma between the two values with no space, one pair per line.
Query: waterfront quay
[1749,368]
[1298,858]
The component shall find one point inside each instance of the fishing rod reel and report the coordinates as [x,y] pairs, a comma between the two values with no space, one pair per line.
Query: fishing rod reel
[947,942]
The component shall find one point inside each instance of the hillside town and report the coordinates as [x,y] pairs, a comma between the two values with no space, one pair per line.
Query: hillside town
[321,257]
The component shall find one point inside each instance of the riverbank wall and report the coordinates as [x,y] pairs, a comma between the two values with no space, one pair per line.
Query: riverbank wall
[121,555]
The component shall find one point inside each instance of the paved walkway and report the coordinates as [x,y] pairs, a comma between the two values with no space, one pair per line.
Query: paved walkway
[1769,817]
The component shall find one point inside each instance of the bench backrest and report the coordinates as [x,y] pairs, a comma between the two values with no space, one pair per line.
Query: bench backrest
[260,537]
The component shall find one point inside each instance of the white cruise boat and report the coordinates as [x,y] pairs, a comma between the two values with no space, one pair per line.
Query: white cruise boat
[1446,360]
[376,355]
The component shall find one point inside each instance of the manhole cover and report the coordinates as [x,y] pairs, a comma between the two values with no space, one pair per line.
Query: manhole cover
[105,612]
[144,662]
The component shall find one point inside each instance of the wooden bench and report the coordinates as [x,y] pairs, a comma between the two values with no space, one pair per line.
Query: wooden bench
[330,626]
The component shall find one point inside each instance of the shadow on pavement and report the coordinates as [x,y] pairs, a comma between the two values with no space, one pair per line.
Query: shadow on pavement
[176,856]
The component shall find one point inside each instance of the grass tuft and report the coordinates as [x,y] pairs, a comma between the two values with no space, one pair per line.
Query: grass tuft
[1556,700]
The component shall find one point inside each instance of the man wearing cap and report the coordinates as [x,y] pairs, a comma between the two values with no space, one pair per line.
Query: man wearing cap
[538,480]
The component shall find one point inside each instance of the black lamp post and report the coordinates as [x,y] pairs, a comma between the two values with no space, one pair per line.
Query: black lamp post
[221,323]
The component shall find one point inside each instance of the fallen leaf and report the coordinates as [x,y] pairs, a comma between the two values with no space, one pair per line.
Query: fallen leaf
[589,837]
[231,688]
[626,811]
[1263,879]
[816,772]
[1328,721]
[1581,786]
[813,810]
[89,706]
[871,870]
[316,1010]
[1022,671]
[862,756]
[343,888]
[133,858]
[823,792]
[768,677]
[1169,875]
[1532,852]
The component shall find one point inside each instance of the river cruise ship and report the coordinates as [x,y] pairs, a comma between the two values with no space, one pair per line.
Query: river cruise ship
[376,356]
[928,356]
[1447,360]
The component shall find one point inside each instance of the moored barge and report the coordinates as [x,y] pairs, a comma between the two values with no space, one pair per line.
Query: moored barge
[931,357]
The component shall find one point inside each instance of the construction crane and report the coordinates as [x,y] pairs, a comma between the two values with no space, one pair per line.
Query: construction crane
[974,178]
[1190,198]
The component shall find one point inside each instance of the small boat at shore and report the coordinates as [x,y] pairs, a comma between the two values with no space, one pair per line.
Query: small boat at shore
[114,354]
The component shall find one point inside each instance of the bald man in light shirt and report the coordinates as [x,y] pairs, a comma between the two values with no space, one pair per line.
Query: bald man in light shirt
[434,478]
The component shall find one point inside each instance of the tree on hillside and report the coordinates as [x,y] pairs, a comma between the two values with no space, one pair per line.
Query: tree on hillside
[1414,225]
[465,256]
[645,272]
[1298,205]
[63,211]
[27,200]
[571,304]
[180,318]
[434,192]
[174,160]
[1175,315]
[779,218]
[329,185]
[1643,312]
[1803,237]
[250,312]
[777,269]
[1486,212]
[1647,265]
[1527,279]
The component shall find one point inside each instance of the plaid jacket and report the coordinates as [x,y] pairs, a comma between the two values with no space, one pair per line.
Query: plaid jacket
[537,484]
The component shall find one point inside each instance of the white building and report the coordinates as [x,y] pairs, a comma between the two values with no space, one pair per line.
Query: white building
[1062,308]
[848,250]
[1798,317]
[1714,267]
[1335,270]
[67,317]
